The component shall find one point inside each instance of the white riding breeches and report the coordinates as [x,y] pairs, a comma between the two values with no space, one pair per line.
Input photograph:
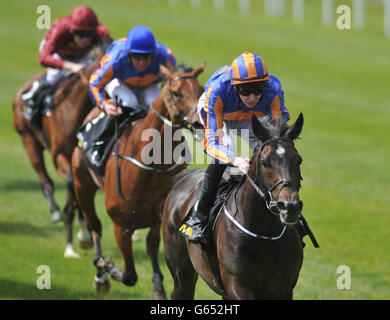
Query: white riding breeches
[132,97]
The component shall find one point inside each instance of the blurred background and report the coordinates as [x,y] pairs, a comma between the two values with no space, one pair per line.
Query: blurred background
[338,77]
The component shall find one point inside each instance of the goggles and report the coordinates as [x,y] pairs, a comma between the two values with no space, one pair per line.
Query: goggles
[141,56]
[247,89]
[83,33]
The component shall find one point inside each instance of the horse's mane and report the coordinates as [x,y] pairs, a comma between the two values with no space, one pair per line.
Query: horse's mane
[181,67]
[275,127]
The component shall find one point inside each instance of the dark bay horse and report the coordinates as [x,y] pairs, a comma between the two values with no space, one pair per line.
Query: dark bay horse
[58,135]
[143,186]
[257,252]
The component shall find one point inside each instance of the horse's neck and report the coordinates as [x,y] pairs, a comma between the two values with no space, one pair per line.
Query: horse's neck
[253,212]
[155,126]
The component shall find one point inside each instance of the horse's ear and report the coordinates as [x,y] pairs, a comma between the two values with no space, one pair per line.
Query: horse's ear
[198,71]
[294,130]
[165,71]
[259,131]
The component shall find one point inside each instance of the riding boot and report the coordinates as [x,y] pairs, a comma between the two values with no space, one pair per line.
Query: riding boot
[195,226]
[97,136]
[33,99]
[93,136]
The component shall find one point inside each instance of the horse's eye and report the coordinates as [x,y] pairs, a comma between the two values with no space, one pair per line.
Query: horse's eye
[177,94]
[264,163]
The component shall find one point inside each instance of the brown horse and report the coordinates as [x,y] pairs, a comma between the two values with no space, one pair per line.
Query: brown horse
[143,186]
[256,252]
[58,135]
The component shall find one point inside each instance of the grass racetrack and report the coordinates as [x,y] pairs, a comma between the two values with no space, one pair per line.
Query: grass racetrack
[339,80]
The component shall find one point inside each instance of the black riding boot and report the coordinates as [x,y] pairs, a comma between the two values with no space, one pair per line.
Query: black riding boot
[194,226]
[33,99]
[93,136]
[97,136]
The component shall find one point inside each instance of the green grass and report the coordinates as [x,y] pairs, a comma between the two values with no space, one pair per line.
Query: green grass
[338,79]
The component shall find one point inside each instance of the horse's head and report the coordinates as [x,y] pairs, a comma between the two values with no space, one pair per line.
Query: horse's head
[275,167]
[181,93]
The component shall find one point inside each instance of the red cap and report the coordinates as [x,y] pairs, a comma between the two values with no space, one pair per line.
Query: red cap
[83,18]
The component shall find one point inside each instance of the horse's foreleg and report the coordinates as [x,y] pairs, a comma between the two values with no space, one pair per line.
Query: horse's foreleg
[153,242]
[35,153]
[85,191]
[125,245]
[179,263]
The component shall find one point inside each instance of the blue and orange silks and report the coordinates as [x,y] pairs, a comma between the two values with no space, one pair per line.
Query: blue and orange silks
[223,103]
[116,64]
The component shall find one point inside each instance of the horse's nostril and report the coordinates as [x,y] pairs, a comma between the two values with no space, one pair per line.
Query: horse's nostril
[281,206]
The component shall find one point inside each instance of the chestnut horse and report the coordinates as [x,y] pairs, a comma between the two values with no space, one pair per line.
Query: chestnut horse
[58,135]
[256,252]
[143,186]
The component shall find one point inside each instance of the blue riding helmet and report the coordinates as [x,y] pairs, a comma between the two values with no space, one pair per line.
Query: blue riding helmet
[140,39]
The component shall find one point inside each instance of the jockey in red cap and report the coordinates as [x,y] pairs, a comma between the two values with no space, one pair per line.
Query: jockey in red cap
[65,48]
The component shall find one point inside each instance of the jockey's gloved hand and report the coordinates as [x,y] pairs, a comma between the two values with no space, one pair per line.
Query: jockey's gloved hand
[242,164]
[112,110]
[73,67]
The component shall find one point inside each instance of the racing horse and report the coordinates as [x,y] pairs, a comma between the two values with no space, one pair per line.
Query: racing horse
[142,186]
[255,251]
[58,136]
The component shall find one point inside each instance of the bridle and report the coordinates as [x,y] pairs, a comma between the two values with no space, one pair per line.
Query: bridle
[264,192]
[173,110]
[267,192]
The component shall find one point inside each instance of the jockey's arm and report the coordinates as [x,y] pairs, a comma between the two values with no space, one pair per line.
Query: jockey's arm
[98,81]
[72,66]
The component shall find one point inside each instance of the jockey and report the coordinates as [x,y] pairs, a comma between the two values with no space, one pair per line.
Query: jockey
[64,49]
[233,94]
[128,73]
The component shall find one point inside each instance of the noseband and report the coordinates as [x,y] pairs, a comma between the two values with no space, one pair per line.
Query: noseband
[263,191]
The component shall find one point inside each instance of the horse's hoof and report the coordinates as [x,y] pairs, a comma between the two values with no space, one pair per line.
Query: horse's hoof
[85,245]
[84,240]
[56,216]
[102,284]
[159,295]
[70,253]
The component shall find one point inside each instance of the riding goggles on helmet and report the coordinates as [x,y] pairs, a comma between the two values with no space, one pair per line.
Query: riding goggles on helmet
[83,33]
[141,56]
[248,88]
